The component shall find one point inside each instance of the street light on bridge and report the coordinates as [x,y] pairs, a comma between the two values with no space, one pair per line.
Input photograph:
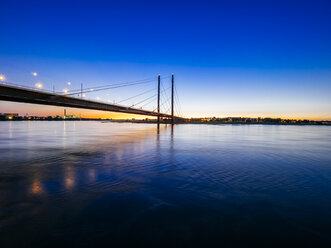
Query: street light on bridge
[38,85]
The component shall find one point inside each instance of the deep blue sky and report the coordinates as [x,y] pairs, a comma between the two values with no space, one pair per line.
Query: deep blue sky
[232,57]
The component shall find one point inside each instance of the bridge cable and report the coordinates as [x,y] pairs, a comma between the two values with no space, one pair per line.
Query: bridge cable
[148,102]
[135,96]
[114,84]
[90,90]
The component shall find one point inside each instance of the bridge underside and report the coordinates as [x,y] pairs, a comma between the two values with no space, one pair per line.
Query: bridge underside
[17,94]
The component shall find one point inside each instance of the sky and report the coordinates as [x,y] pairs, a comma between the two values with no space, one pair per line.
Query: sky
[229,58]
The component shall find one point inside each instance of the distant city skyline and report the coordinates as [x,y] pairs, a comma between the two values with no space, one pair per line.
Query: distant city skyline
[256,59]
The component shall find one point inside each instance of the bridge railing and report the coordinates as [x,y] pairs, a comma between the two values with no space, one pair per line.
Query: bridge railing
[26,87]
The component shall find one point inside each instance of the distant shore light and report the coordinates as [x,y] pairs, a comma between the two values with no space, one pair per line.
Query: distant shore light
[65,90]
[2,77]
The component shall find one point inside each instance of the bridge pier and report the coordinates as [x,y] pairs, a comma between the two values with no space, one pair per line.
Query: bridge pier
[172,98]
[158,99]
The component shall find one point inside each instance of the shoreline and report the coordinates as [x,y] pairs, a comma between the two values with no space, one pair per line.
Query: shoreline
[312,123]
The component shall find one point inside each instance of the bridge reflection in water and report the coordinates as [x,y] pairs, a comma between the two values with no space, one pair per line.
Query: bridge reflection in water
[74,172]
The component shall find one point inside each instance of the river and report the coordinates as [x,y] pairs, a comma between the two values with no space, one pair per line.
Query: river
[102,184]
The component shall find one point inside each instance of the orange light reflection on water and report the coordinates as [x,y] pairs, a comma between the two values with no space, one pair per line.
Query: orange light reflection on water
[37,187]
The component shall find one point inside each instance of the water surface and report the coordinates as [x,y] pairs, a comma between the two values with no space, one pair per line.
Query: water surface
[96,184]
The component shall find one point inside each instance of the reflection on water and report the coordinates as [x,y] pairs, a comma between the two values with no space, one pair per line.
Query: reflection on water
[36,187]
[100,184]
[69,178]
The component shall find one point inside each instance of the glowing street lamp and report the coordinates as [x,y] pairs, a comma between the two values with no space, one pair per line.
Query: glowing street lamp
[35,74]
[2,78]
[69,83]
[65,90]
[38,85]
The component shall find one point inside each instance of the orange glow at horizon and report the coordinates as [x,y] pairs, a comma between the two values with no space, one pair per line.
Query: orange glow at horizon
[43,110]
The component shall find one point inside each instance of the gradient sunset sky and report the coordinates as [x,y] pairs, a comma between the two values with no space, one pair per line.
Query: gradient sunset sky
[229,58]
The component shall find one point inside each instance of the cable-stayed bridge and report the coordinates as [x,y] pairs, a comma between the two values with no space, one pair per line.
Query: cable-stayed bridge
[77,98]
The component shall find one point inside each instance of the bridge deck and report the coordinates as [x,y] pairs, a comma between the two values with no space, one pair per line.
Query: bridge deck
[20,94]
